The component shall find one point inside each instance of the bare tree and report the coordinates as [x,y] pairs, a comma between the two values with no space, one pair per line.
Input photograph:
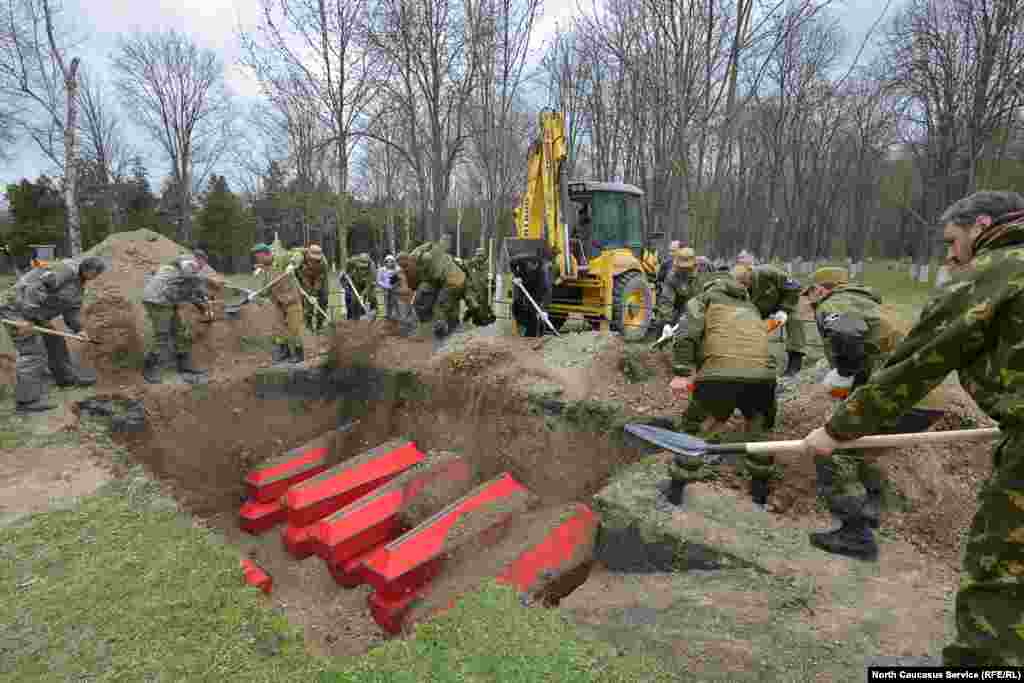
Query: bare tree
[430,45]
[34,68]
[502,43]
[312,49]
[176,91]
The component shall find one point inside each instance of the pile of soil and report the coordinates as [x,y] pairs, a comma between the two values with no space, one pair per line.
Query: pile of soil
[113,311]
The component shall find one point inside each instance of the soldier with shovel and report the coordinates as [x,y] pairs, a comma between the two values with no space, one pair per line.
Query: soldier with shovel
[36,298]
[973,325]
[284,293]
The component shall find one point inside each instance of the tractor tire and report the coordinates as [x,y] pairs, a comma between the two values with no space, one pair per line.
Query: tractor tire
[632,306]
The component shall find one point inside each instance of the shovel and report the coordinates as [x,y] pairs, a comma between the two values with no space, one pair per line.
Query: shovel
[367,315]
[728,453]
[691,447]
[55,333]
[541,313]
[235,310]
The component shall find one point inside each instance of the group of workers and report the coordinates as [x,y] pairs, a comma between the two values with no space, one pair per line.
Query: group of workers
[882,376]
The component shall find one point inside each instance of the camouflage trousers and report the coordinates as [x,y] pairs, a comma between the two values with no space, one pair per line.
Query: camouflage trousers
[447,300]
[845,479]
[990,600]
[291,315]
[759,466]
[167,332]
[35,354]
[313,318]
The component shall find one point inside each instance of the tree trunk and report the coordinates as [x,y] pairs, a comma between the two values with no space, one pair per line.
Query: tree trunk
[74,223]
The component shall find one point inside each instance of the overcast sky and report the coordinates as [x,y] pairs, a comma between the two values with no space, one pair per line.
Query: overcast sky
[212,23]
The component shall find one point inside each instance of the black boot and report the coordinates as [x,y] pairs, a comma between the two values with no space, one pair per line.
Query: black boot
[185,366]
[872,508]
[33,407]
[280,353]
[759,491]
[852,539]
[298,355]
[151,369]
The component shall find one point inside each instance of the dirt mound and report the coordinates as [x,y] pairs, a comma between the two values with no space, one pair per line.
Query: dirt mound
[114,315]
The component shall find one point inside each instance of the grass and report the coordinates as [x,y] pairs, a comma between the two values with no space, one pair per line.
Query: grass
[125,587]
[488,636]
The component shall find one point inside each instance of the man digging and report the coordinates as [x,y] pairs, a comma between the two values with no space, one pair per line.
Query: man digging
[285,294]
[679,286]
[36,298]
[310,270]
[179,282]
[973,325]
[725,341]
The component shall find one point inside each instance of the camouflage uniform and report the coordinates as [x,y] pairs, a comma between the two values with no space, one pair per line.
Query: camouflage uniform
[743,378]
[179,282]
[771,291]
[285,295]
[850,482]
[973,325]
[39,296]
[312,277]
[679,286]
[478,296]
[439,282]
[360,270]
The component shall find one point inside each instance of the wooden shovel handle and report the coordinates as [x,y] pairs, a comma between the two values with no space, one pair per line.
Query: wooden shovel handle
[883,440]
[55,333]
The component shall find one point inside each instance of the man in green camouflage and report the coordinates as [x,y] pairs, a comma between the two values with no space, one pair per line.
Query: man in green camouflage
[679,285]
[179,282]
[477,294]
[849,320]
[722,358]
[973,325]
[310,269]
[38,297]
[772,291]
[287,338]
[437,281]
[360,272]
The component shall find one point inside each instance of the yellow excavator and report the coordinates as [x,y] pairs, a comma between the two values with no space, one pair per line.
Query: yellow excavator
[580,247]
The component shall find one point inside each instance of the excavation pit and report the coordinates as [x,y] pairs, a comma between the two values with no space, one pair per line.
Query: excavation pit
[203,441]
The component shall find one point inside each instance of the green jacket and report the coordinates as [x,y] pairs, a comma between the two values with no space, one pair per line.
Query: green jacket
[678,287]
[43,294]
[360,271]
[724,337]
[772,290]
[973,325]
[850,322]
[437,267]
[313,282]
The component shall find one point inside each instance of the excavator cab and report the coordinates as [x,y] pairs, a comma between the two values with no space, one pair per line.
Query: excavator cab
[608,217]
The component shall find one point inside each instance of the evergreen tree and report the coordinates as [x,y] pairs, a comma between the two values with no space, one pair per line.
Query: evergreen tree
[37,213]
[224,226]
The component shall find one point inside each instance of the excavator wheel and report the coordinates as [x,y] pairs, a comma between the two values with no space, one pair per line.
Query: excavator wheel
[632,306]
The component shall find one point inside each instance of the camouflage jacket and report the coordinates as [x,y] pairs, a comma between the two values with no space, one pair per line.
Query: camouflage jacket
[178,282]
[678,288]
[772,290]
[286,291]
[312,278]
[723,317]
[360,270]
[436,267]
[43,294]
[972,325]
[849,322]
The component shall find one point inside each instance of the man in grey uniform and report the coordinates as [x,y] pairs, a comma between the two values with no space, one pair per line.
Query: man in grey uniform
[38,297]
[182,281]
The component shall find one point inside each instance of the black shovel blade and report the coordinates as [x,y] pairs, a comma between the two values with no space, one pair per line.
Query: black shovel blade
[677,442]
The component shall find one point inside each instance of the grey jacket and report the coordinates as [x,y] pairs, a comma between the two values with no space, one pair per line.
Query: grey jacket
[181,281]
[43,294]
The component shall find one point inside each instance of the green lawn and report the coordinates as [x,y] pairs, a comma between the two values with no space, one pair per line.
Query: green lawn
[124,587]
